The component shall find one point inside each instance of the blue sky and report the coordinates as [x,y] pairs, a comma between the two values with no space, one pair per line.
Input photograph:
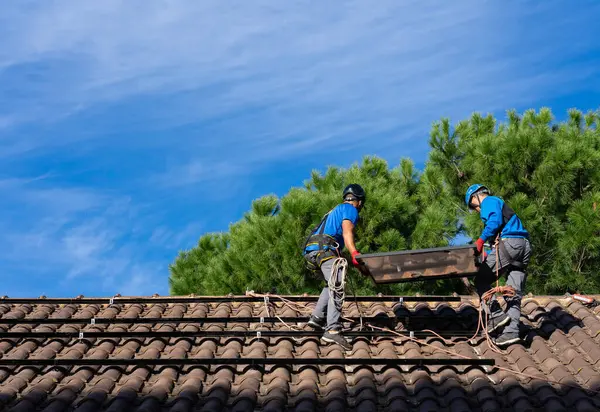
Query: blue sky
[129,128]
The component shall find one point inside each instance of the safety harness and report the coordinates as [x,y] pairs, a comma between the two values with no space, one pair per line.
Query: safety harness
[328,248]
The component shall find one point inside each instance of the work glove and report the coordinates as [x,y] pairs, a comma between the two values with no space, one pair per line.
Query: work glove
[354,254]
[479,245]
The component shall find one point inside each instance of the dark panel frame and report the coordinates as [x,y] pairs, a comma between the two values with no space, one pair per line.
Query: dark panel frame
[394,269]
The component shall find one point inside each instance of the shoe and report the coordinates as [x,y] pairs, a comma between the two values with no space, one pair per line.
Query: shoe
[507,339]
[335,337]
[494,322]
[316,322]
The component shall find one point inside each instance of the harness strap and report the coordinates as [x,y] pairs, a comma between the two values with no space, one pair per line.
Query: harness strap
[323,241]
[315,259]
[327,246]
[507,214]
[321,224]
[319,235]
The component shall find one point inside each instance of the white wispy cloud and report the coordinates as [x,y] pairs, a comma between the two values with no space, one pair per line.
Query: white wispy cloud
[165,236]
[317,67]
[197,171]
[82,235]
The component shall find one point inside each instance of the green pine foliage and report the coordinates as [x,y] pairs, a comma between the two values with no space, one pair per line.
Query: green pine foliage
[262,252]
[548,173]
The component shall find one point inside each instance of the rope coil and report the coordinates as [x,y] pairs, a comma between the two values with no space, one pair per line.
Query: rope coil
[337,290]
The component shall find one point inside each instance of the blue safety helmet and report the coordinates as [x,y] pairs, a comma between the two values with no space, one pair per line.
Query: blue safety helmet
[474,189]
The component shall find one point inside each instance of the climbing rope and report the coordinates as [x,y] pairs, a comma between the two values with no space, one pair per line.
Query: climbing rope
[507,291]
[336,292]
[337,289]
[359,310]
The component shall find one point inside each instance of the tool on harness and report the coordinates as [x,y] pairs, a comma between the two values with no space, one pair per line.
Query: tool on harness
[327,246]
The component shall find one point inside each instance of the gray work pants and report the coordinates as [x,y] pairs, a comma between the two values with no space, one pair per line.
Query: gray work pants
[518,249]
[326,305]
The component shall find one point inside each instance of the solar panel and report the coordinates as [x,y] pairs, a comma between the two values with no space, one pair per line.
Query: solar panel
[420,265]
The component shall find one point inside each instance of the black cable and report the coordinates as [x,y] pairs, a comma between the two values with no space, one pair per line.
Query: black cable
[218,333]
[215,299]
[245,361]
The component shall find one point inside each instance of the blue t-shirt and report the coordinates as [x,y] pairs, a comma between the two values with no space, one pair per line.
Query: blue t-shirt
[491,215]
[333,224]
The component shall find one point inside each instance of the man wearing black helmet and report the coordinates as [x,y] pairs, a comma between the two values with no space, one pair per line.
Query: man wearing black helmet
[323,246]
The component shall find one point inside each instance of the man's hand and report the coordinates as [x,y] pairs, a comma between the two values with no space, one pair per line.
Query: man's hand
[479,245]
[354,254]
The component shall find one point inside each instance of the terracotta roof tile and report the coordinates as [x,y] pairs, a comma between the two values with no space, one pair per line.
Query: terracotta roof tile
[562,343]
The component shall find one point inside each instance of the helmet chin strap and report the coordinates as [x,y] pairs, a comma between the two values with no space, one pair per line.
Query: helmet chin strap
[361,203]
[477,196]
[479,199]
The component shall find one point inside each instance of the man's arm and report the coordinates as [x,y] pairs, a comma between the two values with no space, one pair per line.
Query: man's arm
[349,219]
[348,233]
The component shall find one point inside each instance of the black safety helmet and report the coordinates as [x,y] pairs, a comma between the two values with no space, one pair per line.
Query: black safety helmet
[354,192]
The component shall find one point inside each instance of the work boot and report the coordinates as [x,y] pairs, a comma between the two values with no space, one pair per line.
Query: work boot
[334,336]
[494,322]
[316,322]
[507,338]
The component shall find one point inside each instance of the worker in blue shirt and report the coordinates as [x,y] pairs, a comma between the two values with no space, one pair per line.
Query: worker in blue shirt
[514,251]
[322,247]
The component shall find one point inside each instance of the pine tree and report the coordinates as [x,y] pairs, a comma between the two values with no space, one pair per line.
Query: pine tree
[547,172]
[263,250]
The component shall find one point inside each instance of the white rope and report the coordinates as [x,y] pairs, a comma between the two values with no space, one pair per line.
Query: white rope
[337,289]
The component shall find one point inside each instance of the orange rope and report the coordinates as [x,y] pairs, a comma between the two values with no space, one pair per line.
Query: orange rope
[508,291]
[292,305]
[285,302]
[482,323]
[301,308]
[487,296]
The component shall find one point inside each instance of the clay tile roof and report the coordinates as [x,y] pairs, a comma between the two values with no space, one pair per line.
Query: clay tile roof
[248,353]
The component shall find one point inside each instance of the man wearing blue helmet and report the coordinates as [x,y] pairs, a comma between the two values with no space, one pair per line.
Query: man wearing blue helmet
[514,250]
